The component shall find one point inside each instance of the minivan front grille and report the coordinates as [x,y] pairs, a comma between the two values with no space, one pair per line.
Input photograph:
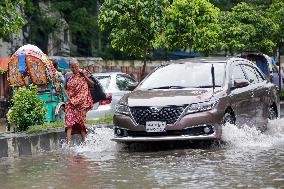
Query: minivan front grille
[169,114]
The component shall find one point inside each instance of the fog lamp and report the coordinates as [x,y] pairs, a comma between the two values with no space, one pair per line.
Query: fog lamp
[118,131]
[206,130]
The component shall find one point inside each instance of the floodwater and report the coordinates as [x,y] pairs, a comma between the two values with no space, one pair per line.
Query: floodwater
[248,159]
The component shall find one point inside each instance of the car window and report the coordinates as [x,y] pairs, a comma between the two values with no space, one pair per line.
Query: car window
[250,73]
[259,75]
[123,81]
[104,80]
[130,80]
[237,73]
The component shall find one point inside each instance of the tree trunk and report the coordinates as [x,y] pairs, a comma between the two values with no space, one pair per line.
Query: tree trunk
[143,74]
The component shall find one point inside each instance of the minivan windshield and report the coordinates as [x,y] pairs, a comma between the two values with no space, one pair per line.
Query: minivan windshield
[185,75]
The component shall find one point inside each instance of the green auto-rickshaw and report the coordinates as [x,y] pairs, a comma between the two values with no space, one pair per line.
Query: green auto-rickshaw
[29,65]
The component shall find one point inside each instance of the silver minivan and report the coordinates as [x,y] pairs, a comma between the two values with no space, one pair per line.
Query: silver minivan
[193,101]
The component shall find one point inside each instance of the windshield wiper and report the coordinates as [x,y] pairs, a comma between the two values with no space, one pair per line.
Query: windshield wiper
[168,87]
[213,77]
[207,86]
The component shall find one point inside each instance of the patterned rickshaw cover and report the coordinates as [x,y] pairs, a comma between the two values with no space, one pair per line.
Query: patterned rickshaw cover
[39,69]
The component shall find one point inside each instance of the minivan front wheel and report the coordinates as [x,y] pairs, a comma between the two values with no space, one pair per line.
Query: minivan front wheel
[228,118]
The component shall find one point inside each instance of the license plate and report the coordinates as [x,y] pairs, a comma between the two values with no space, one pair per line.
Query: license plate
[155,126]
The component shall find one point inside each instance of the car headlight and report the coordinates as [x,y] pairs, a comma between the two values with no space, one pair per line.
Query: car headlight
[202,106]
[122,109]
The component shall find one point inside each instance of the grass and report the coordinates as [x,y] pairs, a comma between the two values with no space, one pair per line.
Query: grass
[281,94]
[60,124]
[101,120]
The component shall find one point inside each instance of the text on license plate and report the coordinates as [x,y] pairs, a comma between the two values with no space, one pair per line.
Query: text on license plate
[155,126]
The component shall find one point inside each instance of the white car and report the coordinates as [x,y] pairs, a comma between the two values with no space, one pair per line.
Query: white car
[115,85]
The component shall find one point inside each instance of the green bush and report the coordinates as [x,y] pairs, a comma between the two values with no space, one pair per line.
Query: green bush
[281,94]
[27,109]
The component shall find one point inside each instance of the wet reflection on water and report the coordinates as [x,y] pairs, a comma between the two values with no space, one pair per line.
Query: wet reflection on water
[249,159]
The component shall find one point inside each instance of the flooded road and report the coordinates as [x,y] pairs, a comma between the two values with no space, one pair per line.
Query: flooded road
[249,159]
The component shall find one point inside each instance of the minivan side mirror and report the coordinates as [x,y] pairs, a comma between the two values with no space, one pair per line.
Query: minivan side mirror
[239,83]
[132,86]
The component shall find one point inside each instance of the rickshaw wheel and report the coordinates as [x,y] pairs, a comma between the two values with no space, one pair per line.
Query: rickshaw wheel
[61,113]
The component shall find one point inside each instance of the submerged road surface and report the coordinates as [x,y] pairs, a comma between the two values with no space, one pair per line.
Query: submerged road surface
[249,159]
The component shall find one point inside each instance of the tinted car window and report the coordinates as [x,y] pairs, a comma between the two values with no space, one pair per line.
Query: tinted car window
[250,73]
[122,82]
[188,75]
[104,80]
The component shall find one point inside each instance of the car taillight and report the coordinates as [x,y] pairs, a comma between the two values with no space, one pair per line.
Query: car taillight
[108,100]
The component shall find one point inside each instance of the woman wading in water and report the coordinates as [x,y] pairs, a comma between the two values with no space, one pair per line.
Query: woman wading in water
[79,101]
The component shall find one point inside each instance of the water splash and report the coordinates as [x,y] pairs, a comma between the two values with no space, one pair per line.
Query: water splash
[98,145]
[99,139]
[251,137]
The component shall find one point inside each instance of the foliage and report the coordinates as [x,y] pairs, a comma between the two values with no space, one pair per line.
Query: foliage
[276,12]
[60,124]
[2,71]
[133,25]
[223,4]
[11,16]
[45,126]
[191,24]
[281,94]
[101,120]
[27,109]
[247,28]
[228,4]
[81,16]
[41,23]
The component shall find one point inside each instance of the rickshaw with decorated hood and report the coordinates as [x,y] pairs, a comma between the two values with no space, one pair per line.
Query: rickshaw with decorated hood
[29,65]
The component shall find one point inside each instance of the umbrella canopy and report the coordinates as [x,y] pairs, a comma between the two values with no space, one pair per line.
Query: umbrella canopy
[30,65]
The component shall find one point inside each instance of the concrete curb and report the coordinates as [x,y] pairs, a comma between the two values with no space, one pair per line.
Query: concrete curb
[21,144]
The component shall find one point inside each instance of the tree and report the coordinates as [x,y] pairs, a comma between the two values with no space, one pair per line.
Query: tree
[42,21]
[276,12]
[81,17]
[223,4]
[133,25]
[229,4]
[235,35]
[11,16]
[248,28]
[191,25]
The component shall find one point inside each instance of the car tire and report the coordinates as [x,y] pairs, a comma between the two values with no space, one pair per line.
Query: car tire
[272,113]
[228,118]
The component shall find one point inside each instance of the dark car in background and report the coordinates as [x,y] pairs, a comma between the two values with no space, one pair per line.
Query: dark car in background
[193,101]
[115,85]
